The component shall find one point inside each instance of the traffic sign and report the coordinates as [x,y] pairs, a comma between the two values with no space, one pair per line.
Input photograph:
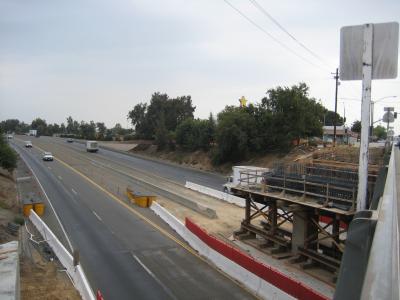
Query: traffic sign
[388,117]
[385,45]
[388,109]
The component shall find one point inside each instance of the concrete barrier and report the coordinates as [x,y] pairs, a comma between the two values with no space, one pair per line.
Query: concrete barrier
[269,281]
[262,280]
[9,271]
[216,194]
[75,272]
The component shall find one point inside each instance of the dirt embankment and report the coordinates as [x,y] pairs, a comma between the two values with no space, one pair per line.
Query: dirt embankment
[202,160]
[9,207]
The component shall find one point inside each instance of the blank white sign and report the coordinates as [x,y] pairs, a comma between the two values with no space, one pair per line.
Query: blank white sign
[385,47]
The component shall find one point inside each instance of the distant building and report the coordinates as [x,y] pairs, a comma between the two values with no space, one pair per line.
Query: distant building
[343,135]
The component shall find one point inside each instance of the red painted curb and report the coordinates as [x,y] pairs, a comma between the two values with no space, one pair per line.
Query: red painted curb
[327,220]
[99,296]
[267,273]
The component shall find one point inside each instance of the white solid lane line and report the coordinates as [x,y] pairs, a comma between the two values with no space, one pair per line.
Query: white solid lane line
[97,216]
[167,290]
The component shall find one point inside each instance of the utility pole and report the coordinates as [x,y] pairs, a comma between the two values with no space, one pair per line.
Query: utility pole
[336,77]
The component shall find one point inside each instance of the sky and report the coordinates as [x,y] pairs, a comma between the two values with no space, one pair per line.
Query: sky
[96,59]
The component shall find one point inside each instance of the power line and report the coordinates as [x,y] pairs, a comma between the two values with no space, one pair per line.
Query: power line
[269,16]
[271,36]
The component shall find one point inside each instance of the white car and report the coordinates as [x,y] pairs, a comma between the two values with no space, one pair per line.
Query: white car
[47,156]
[28,144]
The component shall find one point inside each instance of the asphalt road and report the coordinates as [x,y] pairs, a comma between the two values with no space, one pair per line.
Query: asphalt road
[170,171]
[122,255]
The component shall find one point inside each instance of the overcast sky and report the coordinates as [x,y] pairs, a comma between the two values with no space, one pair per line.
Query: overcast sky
[96,59]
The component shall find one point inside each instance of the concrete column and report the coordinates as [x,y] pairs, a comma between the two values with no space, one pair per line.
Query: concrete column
[302,227]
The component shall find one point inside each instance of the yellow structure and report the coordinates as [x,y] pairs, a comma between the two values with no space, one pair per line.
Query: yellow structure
[27,209]
[243,101]
[140,200]
[38,208]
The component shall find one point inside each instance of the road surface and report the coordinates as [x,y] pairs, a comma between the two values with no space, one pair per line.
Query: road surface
[171,171]
[122,254]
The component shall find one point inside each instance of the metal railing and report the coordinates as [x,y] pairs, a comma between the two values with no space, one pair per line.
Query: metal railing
[382,276]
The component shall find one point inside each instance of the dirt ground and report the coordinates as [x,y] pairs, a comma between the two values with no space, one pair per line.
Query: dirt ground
[9,208]
[39,278]
[43,279]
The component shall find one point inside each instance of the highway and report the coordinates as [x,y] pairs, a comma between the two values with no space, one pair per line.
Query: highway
[126,253]
[173,172]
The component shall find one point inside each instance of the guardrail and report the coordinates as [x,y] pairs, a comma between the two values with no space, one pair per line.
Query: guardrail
[382,276]
[370,264]
[75,272]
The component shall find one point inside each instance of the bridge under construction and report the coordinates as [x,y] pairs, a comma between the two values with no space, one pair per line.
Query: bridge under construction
[302,211]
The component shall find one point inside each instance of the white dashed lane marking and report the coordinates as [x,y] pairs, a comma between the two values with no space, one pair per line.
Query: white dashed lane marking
[97,216]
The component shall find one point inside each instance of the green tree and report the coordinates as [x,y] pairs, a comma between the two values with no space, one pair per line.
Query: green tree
[138,119]
[63,130]
[53,129]
[236,134]
[101,130]
[356,127]
[380,132]
[329,119]
[294,114]
[72,126]
[161,134]
[40,125]
[196,134]
[146,118]
[8,157]
[9,125]
[87,130]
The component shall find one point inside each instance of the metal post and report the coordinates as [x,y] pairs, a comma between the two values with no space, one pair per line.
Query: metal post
[372,119]
[247,211]
[335,118]
[365,114]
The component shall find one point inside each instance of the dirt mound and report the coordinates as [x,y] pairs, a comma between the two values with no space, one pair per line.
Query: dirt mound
[140,148]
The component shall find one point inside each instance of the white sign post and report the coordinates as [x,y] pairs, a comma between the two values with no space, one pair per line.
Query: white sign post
[367,52]
[365,113]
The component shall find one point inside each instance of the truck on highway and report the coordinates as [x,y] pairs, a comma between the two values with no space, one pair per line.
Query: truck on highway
[92,146]
[32,132]
[244,175]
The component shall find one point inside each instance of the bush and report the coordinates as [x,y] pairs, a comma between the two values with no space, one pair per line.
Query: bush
[8,157]
[129,137]
[195,134]
[19,220]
